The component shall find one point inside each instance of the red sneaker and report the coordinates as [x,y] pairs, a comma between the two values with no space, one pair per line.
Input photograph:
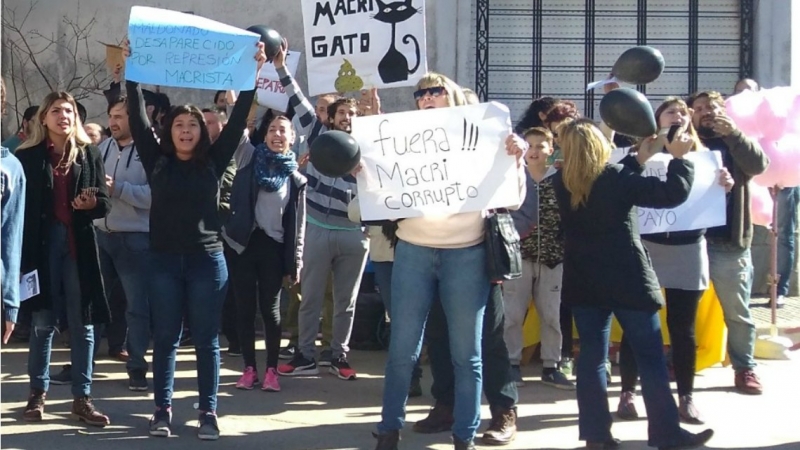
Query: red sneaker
[341,368]
[747,382]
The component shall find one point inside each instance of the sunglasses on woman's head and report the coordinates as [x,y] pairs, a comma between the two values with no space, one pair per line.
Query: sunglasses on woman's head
[435,91]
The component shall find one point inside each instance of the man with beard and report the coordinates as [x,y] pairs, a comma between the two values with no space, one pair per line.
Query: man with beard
[730,263]
[123,240]
[333,244]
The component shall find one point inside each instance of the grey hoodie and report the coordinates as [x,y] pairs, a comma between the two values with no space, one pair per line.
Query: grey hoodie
[131,197]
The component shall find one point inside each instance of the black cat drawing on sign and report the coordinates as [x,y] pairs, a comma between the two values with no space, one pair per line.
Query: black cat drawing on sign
[394,66]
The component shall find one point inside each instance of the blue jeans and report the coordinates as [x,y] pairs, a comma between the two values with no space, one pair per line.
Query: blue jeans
[788,199]
[643,330]
[731,271]
[125,259]
[197,283]
[459,278]
[65,291]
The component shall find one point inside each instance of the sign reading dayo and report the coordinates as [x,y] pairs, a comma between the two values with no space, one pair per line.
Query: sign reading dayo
[169,48]
[435,161]
[352,45]
[705,206]
[269,90]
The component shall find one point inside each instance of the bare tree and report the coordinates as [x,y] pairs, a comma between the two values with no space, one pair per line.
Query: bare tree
[36,63]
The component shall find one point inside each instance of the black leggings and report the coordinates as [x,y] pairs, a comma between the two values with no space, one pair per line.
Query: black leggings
[681,315]
[566,330]
[258,276]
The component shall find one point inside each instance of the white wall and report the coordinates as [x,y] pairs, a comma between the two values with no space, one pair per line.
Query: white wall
[283,15]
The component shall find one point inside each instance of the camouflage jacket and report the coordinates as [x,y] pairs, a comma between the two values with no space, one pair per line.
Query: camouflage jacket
[545,242]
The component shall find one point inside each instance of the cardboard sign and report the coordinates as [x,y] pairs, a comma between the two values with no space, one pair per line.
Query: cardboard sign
[169,48]
[435,161]
[354,45]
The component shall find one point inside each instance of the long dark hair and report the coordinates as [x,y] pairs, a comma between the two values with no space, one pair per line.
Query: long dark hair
[200,153]
[530,118]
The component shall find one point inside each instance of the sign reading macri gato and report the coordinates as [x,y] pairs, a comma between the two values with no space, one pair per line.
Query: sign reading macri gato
[169,48]
[435,161]
[357,44]
[705,206]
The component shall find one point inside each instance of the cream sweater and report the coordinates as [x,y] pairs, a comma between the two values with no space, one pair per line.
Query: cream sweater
[452,230]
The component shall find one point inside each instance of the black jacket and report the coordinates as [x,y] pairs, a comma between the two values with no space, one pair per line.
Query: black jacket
[241,223]
[87,171]
[605,263]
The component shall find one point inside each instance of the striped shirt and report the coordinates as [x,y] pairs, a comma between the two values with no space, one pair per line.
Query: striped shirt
[326,197]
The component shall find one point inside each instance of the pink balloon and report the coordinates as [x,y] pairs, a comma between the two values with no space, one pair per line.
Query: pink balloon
[742,108]
[784,162]
[760,205]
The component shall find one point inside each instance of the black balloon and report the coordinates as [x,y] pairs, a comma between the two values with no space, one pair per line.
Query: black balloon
[334,153]
[639,65]
[272,39]
[627,111]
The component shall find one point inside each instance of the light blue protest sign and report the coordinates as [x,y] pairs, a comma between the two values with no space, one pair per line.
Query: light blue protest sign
[169,48]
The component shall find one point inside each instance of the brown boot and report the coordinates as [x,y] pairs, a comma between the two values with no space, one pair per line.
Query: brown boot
[83,411]
[388,440]
[35,407]
[439,420]
[503,428]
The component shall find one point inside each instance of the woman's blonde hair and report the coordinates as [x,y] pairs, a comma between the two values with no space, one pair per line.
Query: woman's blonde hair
[77,139]
[455,96]
[670,101]
[586,151]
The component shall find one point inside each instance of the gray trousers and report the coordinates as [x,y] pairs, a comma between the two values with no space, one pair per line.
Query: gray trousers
[342,254]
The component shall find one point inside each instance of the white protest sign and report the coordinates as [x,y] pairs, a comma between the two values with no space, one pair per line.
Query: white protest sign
[269,91]
[435,161]
[705,206]
[353,45]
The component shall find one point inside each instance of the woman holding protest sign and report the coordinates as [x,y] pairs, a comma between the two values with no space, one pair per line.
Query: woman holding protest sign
[442,257]
[184,170]
[607,270]
[680,260]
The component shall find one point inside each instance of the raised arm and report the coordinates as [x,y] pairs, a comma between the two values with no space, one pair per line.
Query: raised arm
[225,146]
[303,108]
[115,90]
[746,153]
[146,143]
[652,192]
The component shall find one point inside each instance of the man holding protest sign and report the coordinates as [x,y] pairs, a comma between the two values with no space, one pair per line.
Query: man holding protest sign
[185,170]
[333,243]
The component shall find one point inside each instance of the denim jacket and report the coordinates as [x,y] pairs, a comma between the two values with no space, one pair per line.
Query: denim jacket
[12,187]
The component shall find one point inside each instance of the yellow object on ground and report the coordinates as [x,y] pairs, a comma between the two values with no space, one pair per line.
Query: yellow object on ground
[710,330]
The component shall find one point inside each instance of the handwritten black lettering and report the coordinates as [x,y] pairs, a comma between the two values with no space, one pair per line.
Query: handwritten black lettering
[342,8]
[657,217]
[433,141]
[323,46]
[415,199]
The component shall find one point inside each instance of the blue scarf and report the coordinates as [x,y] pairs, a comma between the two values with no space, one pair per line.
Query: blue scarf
[272,169]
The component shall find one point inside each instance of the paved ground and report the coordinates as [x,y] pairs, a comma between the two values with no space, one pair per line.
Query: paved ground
[327,413]
[788,316]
